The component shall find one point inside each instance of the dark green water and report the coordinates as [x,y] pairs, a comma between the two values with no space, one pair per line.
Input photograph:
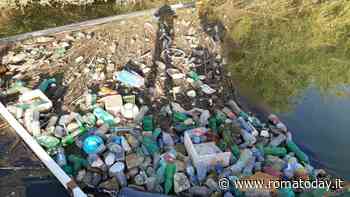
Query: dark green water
[320,123]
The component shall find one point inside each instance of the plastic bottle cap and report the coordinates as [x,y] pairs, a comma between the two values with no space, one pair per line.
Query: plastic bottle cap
[117,167]
[92,143]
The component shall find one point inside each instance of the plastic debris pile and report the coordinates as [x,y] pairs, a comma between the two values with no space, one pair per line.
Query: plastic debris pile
[132,134]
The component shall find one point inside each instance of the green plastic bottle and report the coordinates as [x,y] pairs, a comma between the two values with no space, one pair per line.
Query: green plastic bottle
[156,132]
[150,144]
[46,83]
[68,169]
[235,150]
[69,139]
[148,123]
[179,117]
[193,75]
[275,151]
[49,142]
[291,146]
[222,145]
[212,124]
[220,117]
[78,163]
[170,171]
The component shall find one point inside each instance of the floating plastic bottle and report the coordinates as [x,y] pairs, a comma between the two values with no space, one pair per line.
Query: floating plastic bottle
[291,146]
[246,156]
[193,75]
[179,117]
[104,116]
[31,121]
[258,154]
[61,157]
[234,106]
[248,138]
[229,113]
[148,123]
[50,127]
[277,122]
[78,162]
[276,151]
[190,171]
[247,126]
[69,139]
[109,158]
[93,145]
[170,171]
[48,142]
[278,140]
[248,169]
[204,117]
[46,83]
[143,111]
[117,170]
[119,152]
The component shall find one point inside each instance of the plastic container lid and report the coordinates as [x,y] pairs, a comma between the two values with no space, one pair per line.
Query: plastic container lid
[92,144]
[117,167]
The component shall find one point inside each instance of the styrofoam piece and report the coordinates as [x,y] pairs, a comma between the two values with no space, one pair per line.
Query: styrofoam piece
[65,180]
[206,154]
[113,104]
[36,94]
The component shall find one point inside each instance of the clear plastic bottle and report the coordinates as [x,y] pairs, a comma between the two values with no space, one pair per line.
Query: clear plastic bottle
[141,114]
[50,127]
[31,121]
[117,171]
[61,157]
[276,141]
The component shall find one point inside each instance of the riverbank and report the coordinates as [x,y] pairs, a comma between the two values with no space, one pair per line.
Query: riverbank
[17,19]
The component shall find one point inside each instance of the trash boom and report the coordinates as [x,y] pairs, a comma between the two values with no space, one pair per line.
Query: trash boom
[65,180]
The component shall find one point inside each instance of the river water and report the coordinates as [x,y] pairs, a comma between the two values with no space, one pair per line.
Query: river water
[320,123]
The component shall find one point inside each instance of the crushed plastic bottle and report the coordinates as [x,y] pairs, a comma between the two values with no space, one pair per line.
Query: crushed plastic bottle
[117,170]
[245,157]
